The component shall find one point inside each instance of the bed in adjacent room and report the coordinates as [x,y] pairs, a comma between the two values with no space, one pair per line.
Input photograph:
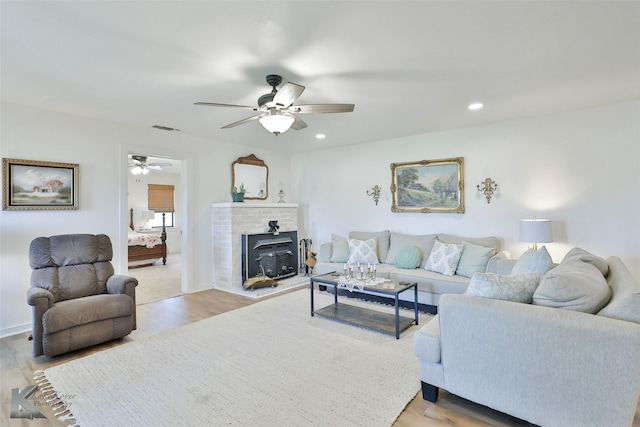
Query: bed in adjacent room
[145,248]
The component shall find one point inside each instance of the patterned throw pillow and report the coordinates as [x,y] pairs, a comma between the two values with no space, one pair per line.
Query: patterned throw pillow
[362,251]
[408,258]
[444,258]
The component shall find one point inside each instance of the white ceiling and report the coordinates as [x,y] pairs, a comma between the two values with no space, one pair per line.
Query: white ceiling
[409,67]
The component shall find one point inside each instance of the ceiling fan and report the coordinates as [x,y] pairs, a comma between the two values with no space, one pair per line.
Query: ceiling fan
[277,112]
[139,165]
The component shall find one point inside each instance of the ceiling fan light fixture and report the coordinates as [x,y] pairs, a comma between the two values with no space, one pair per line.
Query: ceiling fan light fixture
[276,122]
[136,170]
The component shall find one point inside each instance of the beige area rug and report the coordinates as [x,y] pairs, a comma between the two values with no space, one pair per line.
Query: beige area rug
[158,281]
[268,364]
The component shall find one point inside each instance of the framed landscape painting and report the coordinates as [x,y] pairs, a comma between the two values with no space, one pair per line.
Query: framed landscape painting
[428,186]
[38,185]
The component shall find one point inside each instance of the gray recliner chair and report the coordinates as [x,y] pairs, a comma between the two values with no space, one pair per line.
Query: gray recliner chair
[77,300]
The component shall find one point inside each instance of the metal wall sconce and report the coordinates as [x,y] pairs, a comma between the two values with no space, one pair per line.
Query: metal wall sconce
[487,187]
[375,192]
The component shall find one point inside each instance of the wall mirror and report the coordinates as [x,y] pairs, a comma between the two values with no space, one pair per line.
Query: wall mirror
[253,173]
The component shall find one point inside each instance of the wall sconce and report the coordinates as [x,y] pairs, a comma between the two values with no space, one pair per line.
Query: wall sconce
[375,192]
[487,187]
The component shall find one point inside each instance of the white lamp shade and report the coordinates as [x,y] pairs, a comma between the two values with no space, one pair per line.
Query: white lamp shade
[535,231]
[276,123]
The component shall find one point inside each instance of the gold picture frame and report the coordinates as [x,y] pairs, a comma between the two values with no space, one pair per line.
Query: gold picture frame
[428,186]
[39,185]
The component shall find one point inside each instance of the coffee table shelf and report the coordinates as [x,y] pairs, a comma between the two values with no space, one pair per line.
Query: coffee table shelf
[388,323]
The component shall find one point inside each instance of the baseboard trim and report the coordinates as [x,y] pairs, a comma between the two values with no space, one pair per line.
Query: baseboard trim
[15,330]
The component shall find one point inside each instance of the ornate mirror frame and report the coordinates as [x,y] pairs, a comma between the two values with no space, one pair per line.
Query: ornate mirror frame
[248,171]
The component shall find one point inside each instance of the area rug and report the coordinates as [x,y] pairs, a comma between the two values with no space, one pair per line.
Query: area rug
[267,364]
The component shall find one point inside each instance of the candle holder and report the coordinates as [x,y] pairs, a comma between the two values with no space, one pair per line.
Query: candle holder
[359,274]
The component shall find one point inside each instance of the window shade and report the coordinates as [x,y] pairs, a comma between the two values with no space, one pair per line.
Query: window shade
[160,198]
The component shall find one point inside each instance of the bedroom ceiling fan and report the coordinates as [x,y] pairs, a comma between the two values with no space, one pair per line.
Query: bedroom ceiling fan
[139,165]
[277,112]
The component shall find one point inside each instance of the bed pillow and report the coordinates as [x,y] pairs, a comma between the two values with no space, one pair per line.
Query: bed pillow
[362,251]
[474,259]
[573,285]
[514,287]
[339,249]
[444,258]
[408,258]
[533,262]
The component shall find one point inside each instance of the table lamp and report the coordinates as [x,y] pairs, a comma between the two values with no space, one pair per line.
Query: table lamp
[535,231]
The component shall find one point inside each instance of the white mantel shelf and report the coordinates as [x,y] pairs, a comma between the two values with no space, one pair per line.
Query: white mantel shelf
[253,205]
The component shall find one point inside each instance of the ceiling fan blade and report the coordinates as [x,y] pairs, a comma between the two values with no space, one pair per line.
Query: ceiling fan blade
[215,104]
[322,108]
[159,165]
[243,121]
[298,124]
[287,94]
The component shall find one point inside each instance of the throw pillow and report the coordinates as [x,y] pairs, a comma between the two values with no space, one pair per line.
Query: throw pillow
[628,308]
[573,285]
[474,259]
[400,241]
[516,287]
[382,240]
[339,249]
[408,258]
[577,254]
[444,258]
[362,251]
[533,262]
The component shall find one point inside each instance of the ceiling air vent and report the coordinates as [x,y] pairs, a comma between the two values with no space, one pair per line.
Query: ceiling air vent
[168,129]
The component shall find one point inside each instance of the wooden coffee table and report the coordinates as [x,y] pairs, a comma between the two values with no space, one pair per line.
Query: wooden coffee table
[372,319]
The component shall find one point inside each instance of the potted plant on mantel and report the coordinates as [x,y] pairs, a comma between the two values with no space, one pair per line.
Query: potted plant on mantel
[237,195]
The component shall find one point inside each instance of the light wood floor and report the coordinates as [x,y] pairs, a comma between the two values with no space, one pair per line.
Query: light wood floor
[17,367]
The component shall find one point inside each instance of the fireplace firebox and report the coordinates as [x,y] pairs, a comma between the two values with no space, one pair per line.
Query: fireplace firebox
[273,255]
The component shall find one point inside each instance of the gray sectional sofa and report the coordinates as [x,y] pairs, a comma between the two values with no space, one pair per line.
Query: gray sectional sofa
[479,254]
[568,357]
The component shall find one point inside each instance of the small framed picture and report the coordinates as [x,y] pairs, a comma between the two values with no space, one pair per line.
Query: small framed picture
[428,186]
[39,185]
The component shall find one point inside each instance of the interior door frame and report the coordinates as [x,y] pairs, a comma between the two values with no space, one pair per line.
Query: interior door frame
[186,219]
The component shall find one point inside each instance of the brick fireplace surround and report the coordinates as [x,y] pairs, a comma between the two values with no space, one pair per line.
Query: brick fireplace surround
[230,222]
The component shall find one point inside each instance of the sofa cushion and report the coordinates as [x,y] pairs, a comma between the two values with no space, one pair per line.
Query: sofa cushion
[444,258]
[573,285]
[426,341]
[68,314]
[408,258]
[488,242]
[382,238]
[516,287]
[400,241]
[339,249]
[533,261]
[474,259]
[362,251]
[627,308]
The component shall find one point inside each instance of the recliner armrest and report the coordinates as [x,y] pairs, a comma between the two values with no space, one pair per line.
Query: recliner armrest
[117,284]
[37,296]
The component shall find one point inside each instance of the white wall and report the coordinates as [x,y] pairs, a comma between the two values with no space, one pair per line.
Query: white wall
[581,169]
[100,149]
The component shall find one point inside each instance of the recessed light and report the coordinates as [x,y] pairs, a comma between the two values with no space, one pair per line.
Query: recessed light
[475,106]
[320,136]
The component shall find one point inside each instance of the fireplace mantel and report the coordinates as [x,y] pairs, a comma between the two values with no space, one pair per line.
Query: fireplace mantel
[233,219]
